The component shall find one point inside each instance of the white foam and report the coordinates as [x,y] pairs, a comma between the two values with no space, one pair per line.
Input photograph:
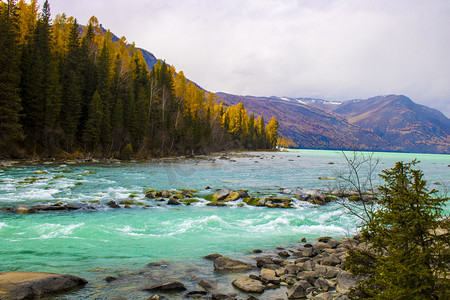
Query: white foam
[2,224]
[49,231]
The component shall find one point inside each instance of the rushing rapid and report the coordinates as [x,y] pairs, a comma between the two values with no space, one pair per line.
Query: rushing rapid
[96,242]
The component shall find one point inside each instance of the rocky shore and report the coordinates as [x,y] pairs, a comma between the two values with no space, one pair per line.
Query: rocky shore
[303,271]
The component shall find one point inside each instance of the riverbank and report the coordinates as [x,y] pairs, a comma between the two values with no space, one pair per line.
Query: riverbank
[313,270]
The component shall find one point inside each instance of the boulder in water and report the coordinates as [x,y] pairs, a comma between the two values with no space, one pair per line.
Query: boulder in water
[34,285]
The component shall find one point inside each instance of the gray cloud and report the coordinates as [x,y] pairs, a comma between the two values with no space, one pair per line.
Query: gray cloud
[335,50]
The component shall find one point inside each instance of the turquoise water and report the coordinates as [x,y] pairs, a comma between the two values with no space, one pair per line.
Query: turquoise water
[103,242]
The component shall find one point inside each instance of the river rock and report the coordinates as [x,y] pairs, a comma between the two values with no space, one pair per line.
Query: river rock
[173,201]
[215,203]
[248,285]
[345,281]
[212,256]
[219,296]
[208,285]
[243,194]
[221,194]
[165,194]
[112,204]
[232,196]
[34,285]
[24,209]
[171,286]
[225,264]
[276,202]
[298,291]
[187,193]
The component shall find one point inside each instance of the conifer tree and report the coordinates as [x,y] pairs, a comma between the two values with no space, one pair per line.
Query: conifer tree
[92,130]
[10,102]
[35,87]
[406,258]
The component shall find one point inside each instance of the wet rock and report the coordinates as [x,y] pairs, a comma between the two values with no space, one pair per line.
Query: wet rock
[263,261]
[215,203]
[212,256]
[283,254]
[187,193]
[276,202]
[243,194]
[209,285]
[194,294]
[248,285]
[233,196]
[221,194]
[225,264]
[171,286]
[173,201]
[112,204]
[24,209]
[161,263]
[298,291]
[33,285]
[165,194]
[157,297]
[257,251]
[219,296]
[110,278]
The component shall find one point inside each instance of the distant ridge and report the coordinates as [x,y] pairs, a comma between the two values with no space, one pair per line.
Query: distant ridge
[382,123]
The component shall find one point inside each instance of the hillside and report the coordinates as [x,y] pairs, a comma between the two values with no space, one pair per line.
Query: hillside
[388,123]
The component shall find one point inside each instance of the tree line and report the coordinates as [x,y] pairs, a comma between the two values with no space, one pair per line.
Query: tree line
[67,89]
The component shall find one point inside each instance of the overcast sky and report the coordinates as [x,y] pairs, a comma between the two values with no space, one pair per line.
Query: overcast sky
[333,50]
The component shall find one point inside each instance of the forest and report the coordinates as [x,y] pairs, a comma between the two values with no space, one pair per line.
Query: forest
[68,90]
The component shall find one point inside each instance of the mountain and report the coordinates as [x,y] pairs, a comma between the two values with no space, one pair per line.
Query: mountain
[382,123]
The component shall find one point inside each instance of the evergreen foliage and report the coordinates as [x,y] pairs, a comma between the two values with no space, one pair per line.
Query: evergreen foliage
[65,88]
[10,103]
[407,257]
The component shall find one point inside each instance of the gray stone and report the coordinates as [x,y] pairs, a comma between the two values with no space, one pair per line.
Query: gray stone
[171,286]
[322,284]
[345,281]
[298,291]
[222,194]
[331,260]
[208,285]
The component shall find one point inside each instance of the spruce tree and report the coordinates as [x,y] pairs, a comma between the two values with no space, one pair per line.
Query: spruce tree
[406,257]
[10,102]
[35,86]
[72,88]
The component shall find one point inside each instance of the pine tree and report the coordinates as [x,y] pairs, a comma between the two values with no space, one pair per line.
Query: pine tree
[35,87]
[91,134]
[406,259]
[72,88]
[10,102]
